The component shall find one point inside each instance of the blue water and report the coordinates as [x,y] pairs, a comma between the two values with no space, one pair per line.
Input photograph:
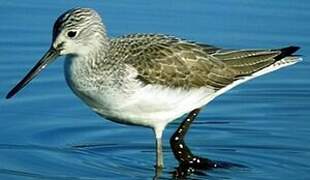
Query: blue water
[48,133]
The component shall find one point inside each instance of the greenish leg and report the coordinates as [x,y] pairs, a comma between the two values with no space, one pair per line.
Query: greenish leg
[159,153]
[159,147]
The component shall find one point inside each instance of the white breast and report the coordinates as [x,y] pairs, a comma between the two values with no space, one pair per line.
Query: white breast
[95,92]
[133,104]
[150,105]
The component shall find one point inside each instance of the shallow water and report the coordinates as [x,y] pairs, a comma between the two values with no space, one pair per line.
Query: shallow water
[48,133]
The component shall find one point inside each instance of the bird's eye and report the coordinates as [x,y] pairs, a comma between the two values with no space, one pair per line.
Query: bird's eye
[71,34]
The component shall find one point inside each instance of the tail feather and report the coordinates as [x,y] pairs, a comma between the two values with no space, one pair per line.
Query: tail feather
[248,62]
[288,51]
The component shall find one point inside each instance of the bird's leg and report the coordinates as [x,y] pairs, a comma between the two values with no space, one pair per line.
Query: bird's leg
[159,153]
[159,158]
[159,149]
[180,150]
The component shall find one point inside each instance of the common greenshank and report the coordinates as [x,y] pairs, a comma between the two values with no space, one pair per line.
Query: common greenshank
[147,79]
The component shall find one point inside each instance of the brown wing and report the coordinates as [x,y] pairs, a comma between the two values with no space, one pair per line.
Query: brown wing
[247,62]
[175,63]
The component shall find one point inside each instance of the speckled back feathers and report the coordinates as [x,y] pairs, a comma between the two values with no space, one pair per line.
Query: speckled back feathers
[173,62]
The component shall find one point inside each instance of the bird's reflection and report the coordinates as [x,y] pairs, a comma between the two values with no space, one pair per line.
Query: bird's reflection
[188,162]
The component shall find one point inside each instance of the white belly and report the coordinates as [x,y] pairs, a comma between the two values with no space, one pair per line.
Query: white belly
[148,105]
[155,105]
[151,105]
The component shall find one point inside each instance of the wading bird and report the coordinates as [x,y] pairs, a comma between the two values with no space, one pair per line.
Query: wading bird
[147,79]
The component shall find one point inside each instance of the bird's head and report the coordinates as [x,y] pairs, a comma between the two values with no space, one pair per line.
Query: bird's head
[76,32]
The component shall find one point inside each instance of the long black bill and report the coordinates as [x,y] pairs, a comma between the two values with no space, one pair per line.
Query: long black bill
[49,57]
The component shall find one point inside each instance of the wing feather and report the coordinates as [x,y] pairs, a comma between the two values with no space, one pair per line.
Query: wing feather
[173,62]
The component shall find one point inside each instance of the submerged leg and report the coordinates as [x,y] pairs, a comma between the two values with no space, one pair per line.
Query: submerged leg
[159,149]
[159,153]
